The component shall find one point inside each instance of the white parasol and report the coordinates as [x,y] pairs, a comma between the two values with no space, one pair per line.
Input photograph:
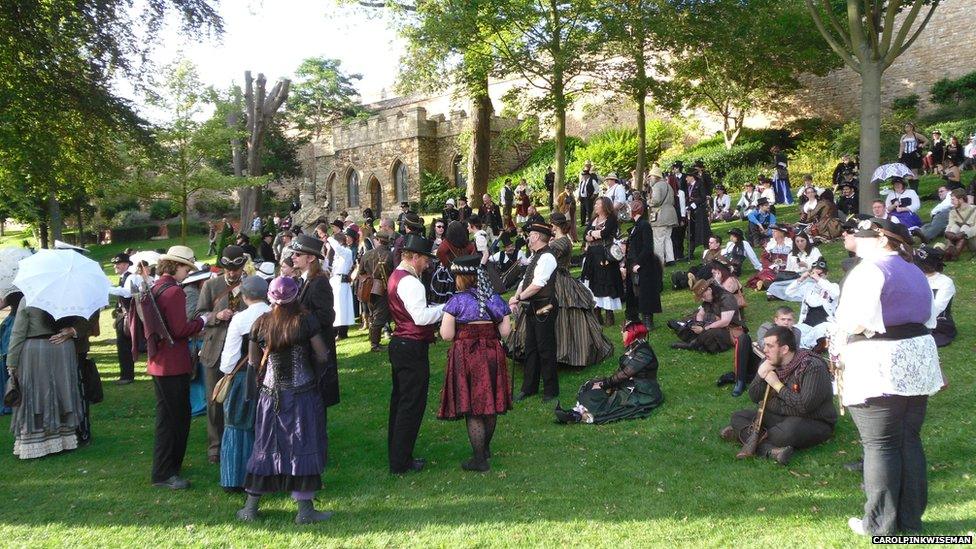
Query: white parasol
[9,264]
[63,283]
[149,256]
[887,171]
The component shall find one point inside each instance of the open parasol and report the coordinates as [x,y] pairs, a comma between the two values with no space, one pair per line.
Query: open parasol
[63,283]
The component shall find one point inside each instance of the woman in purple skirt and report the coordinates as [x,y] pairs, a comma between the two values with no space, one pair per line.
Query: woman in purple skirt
[476,384]
[290,444]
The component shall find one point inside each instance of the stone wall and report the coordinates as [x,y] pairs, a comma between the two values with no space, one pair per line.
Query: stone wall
[944,49]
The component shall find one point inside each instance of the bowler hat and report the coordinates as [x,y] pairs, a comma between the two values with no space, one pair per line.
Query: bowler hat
[413,221]
[558,218]
[232,258]
[542,228]
[762,201]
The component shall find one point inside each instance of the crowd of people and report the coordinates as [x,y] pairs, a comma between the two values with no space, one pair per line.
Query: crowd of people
[251,341]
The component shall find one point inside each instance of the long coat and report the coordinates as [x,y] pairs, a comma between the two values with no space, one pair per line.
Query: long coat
[649,278]
[214,297]
[662,202]
[698,216]
[316,297]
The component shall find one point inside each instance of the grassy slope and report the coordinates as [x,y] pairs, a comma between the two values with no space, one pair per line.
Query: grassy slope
[666,479]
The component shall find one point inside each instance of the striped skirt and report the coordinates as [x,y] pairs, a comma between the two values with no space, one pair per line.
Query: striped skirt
[50,408]
[579,337]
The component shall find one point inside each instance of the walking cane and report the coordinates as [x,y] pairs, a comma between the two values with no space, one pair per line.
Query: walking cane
[750,444]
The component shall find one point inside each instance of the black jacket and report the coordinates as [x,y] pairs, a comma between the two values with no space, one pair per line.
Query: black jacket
[316,297]
[649,278]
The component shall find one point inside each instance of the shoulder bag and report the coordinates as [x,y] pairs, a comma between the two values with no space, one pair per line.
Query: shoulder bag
[224,383]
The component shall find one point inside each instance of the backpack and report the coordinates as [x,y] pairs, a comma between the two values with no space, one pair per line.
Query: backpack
[679,280]
[147,316]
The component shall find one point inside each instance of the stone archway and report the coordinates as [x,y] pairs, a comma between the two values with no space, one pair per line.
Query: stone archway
[375,196]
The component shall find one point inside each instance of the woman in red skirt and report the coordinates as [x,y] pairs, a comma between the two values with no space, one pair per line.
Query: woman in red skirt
[476,384]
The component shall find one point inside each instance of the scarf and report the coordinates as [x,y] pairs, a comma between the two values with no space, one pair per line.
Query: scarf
[796,367]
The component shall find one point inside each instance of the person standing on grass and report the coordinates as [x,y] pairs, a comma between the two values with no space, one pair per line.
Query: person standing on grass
[476,384]
[537,293]
[415,323]
[889,367]
[170,367]
[221,296]
[239,404]
[123,340]
[290,442]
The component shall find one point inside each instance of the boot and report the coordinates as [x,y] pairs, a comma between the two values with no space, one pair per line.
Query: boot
[307,513]
[648,321]
[610,318]
[728,378]
[566,416]
[599,317]
[375,333]
[249,513]
[740,387]
[477,465]
[780,454]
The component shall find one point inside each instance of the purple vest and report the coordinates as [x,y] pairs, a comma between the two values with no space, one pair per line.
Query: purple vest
[905,296]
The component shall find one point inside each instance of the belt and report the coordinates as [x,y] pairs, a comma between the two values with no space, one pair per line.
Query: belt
[343,278]
[901,331]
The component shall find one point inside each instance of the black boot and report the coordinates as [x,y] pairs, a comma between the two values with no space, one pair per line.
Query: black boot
[375,333]
[648,321]
[611,320]
[727,378]
[307,513]
[740,387]
[249,512]
[566,416]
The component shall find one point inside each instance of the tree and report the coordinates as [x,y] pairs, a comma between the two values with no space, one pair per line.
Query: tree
[261,107]
[632,30]
[551,44]
[868,41]
[62,120]
[733,57]
[321,95]
[448,44]
[182,165]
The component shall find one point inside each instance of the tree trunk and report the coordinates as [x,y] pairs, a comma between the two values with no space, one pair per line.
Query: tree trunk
[42,234]
[184,215]
[638,184]
[54,217]
[479,157]
[870,152]
[559,103]
[261,108]
[81,224]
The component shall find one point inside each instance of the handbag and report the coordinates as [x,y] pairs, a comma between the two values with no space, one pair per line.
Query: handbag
[223,384]
[365,288]
[12,395]
[91,381]
[616,250]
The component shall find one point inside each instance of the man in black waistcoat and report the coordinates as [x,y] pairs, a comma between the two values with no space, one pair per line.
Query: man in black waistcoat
[643,270]
[536,291]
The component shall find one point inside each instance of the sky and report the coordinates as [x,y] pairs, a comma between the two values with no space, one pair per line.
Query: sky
[274,36]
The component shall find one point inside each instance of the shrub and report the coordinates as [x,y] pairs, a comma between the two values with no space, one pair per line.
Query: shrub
[534,170]
[163,209]
[615,150]
[214,205]
[959,128]
[737,177]
[720,161]
[435,189]
[110,207]
[907,104]
[948,92]
[129,218]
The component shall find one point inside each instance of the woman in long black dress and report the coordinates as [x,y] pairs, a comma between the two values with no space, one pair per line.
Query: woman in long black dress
[601,271]
[290,442]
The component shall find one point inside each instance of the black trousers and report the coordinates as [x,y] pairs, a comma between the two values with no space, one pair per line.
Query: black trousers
[540,354]
[678,240]
[894,463]
[123,348]
[746,362]
[798,432]
[215,411]
[172,425]
[408,401]
[585,210]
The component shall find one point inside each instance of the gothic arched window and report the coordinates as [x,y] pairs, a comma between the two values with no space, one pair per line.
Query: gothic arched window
[352,189]
[401,182]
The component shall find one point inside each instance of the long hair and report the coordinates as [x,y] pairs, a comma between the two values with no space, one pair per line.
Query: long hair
[279,328]
[810,244]
[315,270]
[605,206]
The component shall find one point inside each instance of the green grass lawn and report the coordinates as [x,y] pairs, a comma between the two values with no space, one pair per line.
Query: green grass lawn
[664,480]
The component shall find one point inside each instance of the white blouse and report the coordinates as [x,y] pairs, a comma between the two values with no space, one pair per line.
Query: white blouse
[907,193]
[774,248]
[794,260]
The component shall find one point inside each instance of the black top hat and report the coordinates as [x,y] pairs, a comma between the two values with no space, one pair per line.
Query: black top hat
[776,227]
[404,204]
[558,218]
[466,264]
[677,164]
[305,244]
[737,232]
[338,223]
[720,187]
[538,228]
[232,258]
[699,163]
[418,244]
[121,258]
[931,256]
[505,238]
[846,184]
[464,198]
[762,201]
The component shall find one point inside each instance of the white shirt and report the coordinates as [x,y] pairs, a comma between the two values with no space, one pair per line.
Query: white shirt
[342,259]
[617,194]
[943,290]
[747,248]
[943,206]
[969,151]
[823,293]
[793,261]
[520,257]
[748,202]
[682,203]
[583,179]
[411,292]
[132,285]
[240,325]
[481,241]
[769,194]
[721,204]
[907,193]
[774,248]
[543,270]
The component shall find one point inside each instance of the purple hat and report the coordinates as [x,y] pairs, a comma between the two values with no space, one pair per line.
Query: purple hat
[283,289]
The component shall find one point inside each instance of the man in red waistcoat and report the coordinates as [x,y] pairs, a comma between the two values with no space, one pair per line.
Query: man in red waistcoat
[415,324]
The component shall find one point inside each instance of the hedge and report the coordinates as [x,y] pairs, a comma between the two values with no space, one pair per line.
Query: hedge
[146,232]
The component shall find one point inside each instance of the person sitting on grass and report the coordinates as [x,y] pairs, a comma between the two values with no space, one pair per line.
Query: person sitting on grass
[930,260]
[631,393]
[716,324]
[800,411]
[800,259]
[760,221]
[737,250]
[749,354]
[940,218]
[819,303]
[721,205]
[961,230]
